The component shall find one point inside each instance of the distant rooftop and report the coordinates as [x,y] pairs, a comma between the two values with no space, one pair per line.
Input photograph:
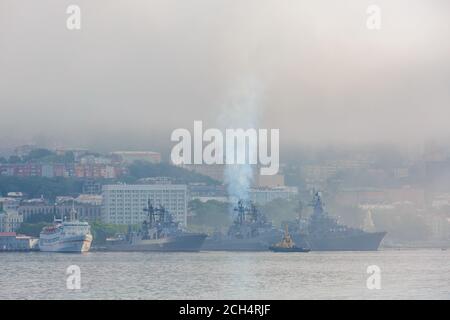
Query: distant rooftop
[7,234]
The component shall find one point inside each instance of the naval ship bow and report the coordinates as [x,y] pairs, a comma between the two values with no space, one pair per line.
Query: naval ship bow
[324,233]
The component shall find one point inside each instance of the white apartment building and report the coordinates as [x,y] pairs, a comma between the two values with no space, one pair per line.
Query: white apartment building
[124,203]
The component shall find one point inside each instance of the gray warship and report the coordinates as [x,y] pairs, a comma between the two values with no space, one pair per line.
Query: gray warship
[250,231]
[323,233]
[159,232]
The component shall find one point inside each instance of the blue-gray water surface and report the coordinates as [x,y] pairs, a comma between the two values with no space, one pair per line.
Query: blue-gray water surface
[404,274]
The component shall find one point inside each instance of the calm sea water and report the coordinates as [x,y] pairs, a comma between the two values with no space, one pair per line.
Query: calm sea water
[405,274]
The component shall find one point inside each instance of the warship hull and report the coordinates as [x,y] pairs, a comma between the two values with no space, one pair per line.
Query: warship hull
[179,243]
[360,242]
[260,243]
[294,249]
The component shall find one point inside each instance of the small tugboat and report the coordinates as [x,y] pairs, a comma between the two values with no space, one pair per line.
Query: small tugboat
[287,244]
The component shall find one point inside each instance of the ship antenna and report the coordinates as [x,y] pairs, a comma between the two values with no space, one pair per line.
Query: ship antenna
[73,212]
[62,214]
[300,209]
[54,211]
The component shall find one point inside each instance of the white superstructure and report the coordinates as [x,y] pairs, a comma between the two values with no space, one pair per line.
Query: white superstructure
[124,203]
[66,236]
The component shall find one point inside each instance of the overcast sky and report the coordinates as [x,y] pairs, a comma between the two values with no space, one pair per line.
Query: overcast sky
[139,69]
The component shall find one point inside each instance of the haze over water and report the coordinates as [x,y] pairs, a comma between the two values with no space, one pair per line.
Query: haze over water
[405,274]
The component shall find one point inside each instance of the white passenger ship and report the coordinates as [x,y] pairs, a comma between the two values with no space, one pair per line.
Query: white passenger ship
[66,236]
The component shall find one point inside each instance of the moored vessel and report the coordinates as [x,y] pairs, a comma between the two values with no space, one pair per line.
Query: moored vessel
[287,244]
[323,233]
[250,231]
[69,235]
[159,232]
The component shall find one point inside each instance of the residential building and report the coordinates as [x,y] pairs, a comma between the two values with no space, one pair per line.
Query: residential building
[124,204]
[33,207]
[10,241]
[9,203]
[10,221]
[88,207]
[91,186]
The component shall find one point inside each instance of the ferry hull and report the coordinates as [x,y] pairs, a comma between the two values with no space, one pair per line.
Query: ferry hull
[180,243]
[76,244]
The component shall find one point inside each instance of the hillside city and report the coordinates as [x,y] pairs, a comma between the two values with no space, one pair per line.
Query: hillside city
[406,195]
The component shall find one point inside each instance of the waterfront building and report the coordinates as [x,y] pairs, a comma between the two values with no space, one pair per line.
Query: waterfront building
[30,207]
[124,204]
[9,203]
[10,221]
[88,207]
[91,186]
[10,241]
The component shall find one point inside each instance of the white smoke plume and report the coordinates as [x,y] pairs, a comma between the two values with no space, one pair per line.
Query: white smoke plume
[241,112]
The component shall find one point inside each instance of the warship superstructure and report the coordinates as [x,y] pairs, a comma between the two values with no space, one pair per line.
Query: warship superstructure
[323,233]
[159,232]
[250,231]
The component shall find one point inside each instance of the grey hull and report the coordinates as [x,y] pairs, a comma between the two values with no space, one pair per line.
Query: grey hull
[261,243]
[361,242]
[188,243]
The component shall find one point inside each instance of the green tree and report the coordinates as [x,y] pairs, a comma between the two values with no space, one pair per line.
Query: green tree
[281,210]
[34,187]
[14,159]
[101,231]
[37,154]
[32,229]
[210,214]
